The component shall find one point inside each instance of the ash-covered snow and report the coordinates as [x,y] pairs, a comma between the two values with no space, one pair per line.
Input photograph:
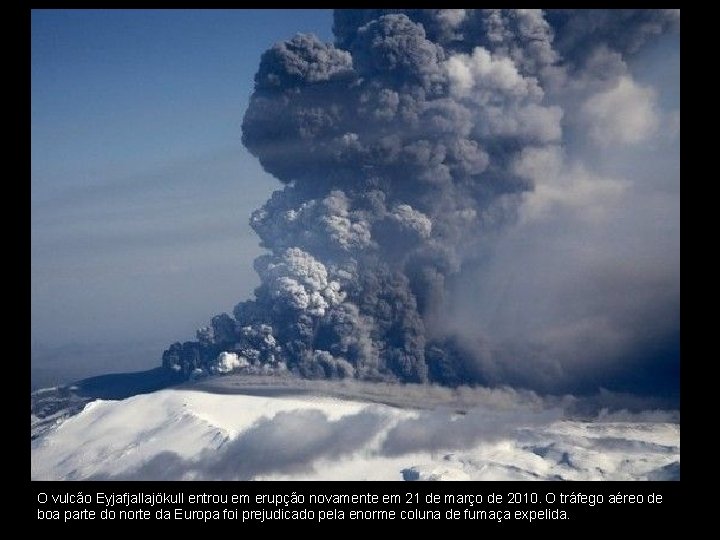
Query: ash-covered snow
[288,433]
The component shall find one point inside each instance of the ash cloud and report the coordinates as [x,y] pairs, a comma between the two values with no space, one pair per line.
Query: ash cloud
[437,430]
[417,153]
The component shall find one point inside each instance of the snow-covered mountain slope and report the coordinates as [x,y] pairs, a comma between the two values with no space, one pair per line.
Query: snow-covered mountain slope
[186,434]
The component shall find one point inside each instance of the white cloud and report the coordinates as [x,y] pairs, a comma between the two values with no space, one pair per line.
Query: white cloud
[485,76]
[560,186]
[228,361]
[299,279]
[624,114]
[452,17]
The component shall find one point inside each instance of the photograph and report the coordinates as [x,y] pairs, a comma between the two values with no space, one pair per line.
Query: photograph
[355,244]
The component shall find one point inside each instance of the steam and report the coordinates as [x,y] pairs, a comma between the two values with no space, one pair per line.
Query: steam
[413,152]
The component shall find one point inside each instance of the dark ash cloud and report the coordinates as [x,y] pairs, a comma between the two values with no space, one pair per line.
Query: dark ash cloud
[417,153]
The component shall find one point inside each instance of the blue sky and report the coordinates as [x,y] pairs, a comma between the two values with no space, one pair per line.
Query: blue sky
[141,189]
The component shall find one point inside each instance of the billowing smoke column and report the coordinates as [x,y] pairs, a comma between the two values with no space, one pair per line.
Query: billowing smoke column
[396,146]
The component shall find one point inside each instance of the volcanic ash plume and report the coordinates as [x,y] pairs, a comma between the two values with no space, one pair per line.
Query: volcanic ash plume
[398,149]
